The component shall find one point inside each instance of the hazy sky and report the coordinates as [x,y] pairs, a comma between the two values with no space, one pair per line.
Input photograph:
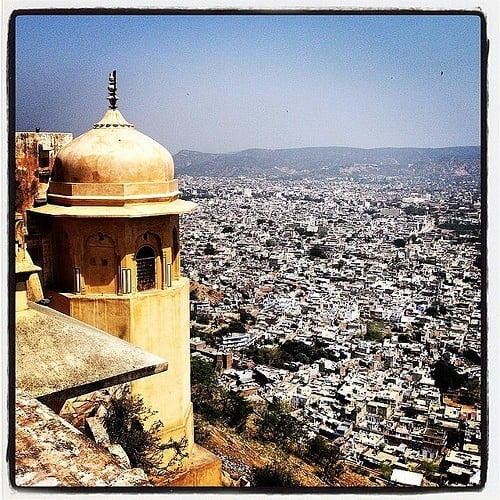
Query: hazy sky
[224,83]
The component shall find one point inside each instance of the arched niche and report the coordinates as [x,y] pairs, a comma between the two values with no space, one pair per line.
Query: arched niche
[100,264]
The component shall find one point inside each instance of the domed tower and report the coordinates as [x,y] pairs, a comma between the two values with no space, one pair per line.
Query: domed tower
[111,230]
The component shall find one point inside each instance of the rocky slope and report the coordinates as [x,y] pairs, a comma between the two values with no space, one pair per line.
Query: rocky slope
[240,454]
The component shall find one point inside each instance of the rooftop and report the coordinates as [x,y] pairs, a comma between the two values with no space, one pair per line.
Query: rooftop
[149,209]
[62,357]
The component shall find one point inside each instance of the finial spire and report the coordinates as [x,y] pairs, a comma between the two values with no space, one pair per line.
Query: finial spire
[112,97]
[112,117]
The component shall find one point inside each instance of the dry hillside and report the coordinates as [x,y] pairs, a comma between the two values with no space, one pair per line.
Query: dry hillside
[240,454]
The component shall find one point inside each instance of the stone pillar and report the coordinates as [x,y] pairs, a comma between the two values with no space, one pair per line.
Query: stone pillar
[164,270]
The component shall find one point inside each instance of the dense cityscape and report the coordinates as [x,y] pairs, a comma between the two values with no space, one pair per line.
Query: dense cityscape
[356,303]
[249,251]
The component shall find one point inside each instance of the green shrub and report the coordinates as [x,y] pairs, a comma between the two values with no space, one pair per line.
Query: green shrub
[386,471]
[277,425]
[375,331]
[317,252]
[213,402]
[273,475]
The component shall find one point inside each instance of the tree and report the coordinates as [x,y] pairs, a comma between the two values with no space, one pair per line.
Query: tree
[436,309]
[125,420]
[277,425]
[204,390]
[213,402]
[317,252]
[427,467]
[454,437]
[326,455]
[318,449]
[415,210]
[303,358]
[375,330]
[202,372]
[202,319]
[478,261]
[201,431]
[472,356]
[399,243]
[237,327]
[473,387]
[386,470]
[209,249]
[410,412]
[236,410]
[446,376]
[246,317]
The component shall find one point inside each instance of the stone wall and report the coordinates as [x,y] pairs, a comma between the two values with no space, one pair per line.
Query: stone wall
[35,154]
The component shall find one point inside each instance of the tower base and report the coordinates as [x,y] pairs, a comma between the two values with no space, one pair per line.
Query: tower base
[203,469]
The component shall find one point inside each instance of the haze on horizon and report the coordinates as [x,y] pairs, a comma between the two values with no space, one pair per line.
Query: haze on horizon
[220,83]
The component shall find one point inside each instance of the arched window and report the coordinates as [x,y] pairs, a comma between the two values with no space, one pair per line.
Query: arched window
[146,268]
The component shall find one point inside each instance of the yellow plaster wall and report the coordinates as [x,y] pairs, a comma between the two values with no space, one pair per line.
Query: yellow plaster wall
[108,313]
[204,469]
[160,325]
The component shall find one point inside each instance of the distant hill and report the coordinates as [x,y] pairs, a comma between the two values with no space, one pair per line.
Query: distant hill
[329,161]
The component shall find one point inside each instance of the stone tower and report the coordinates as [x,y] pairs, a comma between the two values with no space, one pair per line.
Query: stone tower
[112,258]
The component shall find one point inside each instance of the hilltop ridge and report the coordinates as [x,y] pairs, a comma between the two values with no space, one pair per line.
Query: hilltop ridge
[330,161]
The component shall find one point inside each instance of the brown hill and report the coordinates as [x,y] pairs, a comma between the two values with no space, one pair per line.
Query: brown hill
[240,454]
[203,293]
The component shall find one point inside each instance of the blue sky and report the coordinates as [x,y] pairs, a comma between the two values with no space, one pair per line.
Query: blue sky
[224,83]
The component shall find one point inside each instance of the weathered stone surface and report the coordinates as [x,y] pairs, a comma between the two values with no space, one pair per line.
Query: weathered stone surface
[128,476]
[35,154]
[51,452]
[97,431]
[119,454]
[77,410]
[228,481]
[73,358]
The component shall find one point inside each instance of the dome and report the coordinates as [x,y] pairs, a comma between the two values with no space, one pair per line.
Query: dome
[113,152]
[112,164]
